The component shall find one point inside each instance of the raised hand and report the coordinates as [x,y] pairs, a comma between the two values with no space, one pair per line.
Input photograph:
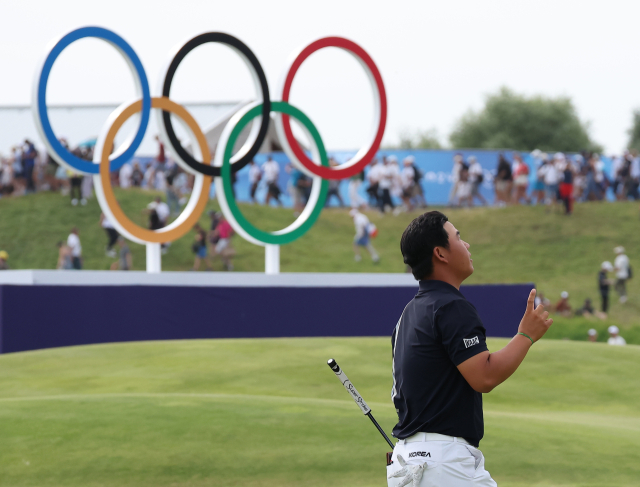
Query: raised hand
[535,322]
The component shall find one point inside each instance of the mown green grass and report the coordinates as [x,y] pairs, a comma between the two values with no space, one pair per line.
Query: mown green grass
[509,245]
[270,413]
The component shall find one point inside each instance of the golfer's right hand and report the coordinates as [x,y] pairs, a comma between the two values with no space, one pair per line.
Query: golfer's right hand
[535,322]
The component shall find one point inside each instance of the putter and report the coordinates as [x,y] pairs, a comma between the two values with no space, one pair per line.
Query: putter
[366,410]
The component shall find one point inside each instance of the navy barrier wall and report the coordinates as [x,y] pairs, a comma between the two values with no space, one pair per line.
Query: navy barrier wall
[45,316]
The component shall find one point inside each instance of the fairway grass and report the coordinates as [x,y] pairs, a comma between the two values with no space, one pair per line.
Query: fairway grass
[264,413]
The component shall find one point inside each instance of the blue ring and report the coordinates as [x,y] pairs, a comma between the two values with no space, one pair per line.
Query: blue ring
[118,42]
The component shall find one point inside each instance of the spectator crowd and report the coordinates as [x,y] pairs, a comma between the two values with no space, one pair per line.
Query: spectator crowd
[610,275]
[391,185]
[548,180]
[27,171]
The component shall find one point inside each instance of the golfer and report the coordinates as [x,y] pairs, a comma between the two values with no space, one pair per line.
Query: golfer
[441,364]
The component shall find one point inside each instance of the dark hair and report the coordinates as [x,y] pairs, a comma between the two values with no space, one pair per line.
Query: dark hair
[420,238]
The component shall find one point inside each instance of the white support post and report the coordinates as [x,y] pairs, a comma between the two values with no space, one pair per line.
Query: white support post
[154,258]
[271,259]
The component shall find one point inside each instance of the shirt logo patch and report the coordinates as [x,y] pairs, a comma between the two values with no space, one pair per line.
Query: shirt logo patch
[470,342]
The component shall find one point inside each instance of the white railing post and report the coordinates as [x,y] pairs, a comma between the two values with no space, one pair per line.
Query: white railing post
[154,258]
[271,259]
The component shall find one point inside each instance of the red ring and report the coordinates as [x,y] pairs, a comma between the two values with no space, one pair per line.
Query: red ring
[335,172]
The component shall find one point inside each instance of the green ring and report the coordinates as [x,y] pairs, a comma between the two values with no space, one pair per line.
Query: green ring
[275,238]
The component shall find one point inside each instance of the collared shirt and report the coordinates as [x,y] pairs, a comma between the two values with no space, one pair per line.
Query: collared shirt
[126,171]
[255,174]
[163,211]
[73,241]
[622,266]
[408,177]
[438,330]
[373,175]
[617,341]
[475,171]
[271,170]
[361,223]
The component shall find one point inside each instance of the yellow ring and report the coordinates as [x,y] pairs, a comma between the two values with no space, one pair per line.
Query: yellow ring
[192,212]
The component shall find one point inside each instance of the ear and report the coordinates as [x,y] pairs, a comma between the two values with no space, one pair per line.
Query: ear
[440,255]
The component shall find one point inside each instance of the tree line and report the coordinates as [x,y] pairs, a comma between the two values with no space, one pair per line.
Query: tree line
[510,120]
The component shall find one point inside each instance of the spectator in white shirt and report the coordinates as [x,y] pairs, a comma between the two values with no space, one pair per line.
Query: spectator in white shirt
[540,159]
[149,178]
[126,171]
[353,189]
[73,241]
[160,182]
[614,337]
[271,171]
[598,169]
[364,230]
[6,179]
[551,177]
[621,266]
[373,178]
[476,177]
[162,210]
[464,187]
[386,180]
[255,175]
[455,177]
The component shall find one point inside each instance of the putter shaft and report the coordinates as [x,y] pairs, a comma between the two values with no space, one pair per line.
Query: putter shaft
[366,410]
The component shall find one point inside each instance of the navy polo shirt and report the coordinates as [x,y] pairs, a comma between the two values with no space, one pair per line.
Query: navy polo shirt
[438,330]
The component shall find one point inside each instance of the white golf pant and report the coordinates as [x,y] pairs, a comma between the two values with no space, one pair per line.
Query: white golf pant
[434,460]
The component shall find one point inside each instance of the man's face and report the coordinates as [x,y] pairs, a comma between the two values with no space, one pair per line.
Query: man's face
[458,253]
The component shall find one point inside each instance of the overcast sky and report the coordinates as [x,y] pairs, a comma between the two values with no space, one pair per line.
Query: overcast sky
[437,59]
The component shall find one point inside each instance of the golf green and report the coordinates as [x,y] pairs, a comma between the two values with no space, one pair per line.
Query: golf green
[271,413]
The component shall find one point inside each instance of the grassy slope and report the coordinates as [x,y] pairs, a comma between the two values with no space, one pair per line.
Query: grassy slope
[269,412]
[509,245]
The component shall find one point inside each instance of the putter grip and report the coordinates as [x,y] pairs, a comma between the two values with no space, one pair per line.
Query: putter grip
[342,377]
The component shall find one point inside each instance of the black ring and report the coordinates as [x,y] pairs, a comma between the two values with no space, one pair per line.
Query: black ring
[222,38]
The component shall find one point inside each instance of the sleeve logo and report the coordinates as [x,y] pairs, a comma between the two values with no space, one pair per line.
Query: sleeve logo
[470,342]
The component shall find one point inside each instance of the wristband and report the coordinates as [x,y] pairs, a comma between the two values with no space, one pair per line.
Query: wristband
[525,335]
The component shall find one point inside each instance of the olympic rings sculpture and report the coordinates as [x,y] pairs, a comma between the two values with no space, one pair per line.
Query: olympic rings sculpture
[200,163]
